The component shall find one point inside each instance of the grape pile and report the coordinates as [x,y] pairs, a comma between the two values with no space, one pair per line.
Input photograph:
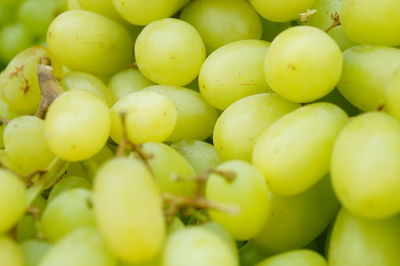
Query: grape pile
[200,133]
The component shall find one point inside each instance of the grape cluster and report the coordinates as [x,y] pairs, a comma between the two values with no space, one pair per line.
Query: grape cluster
[200,133]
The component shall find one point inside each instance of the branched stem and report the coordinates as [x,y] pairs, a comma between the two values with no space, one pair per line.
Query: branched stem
[335,21]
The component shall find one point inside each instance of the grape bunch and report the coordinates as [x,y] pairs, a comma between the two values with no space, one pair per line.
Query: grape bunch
[200,133]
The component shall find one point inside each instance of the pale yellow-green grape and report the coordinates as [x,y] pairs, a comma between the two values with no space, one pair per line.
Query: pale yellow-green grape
[149,117]
[240,125]
[67,183]
[141,12]
[67,212]
[295,152]
[297,220]
[25,142]
[302,257]
[10,252]
[248,192]
[34,250]
[355,241]
[73,4]
[170,51]
[12,199]
[82,247]
[201,155]
[365,169]
[392,95]
[86,82]
[272,29]
[232,72]
[372,22]
[14,37]
[77,125]
[103,7]
[127,81]
[176,225]
[19,83]
[220,231]
[303,64]
[223,21]
[92,164]
[128,210]
[196,118]
[6,113]
[322,18]
[366,70]
[337,33]
[172,173]
[197,246]
[89,42]
[281,10]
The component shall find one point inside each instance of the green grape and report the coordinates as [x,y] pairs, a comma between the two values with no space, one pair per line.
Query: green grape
[73,4]
[33,251]
[67,212]
[301,257]
[366,70]
[7,12]
[66,184]
[392,95]
[12,199]
[141,12]
[250,254]
[10,252]
[25,142]
[103,7]
[19,83]
[89,42]
[149,116]
[248,192]
[86,82]
[303,64]
[337,33]
[372,22]
[5,113]
[281,10]
[127,81]
[82,247]
[128,210]
[196,118]
[92,164]
[223,21]
[27,226]
[365,169]
[290,157]
[297,220]
[336,98]
[197,246]
[240,125]
[272,29]
[232,72]
[322,18]
[170,51]
[76,169]
[14,38]
[356,241]
[220,231]
[201,155]
[172,173]
[77,125]
[176,225]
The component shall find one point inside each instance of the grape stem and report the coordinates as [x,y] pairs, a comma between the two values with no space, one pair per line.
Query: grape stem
[335,21]
[50,88]
[305,16]
[4,121]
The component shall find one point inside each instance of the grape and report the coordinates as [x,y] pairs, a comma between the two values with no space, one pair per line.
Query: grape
[240,125]
[272,29]
[337,98]
[25,143]
[10,252]
[92,164]
[127,81]
[365,169]
[392,95]
[77,125]
[103,7]
[27,226]
[295,152]
[303,64]
[220,231]
[322,18]
[67,212]
[6,113]
[14,38]
[170,52]
[76,169]
[73,4]
[372,22]
[232,72]
[195,119]
[66,184]
[337,33]
[297,220]
[295,258]
[248,192]
[356,241]
[149,116]
[281,10]
[82,247]
[197,246]
[143,12]
[34,251]
[223,21]
[250,254]
[128,210]
[12,199]
[89,42]
[167,165]
[7,12]
[201,155]
[83,81]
